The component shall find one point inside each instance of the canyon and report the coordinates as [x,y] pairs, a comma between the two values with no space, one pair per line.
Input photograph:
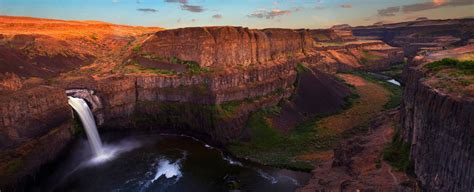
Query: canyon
[208,82]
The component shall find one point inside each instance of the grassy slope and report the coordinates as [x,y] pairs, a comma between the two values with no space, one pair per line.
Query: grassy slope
[452,76]
[296,149]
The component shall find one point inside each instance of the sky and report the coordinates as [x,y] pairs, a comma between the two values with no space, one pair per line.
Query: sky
[248,13]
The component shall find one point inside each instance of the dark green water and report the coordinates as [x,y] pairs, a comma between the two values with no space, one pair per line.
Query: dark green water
[163,163]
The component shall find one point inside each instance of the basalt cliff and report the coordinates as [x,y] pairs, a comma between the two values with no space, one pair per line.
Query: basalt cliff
[437,116]
[205,82]
[202,81]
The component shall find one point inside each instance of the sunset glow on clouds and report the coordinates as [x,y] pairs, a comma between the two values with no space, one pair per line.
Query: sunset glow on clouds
[250,13]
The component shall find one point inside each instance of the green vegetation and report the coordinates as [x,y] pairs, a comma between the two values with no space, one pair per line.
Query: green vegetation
[350,100]
[272,147]
[12,168]
[300,68]
[321,37]
[395,91]
[466,67]
[137,48]
[135,67]
[193,67]
[77,127]
[228,109]
[395,71]
[330,44]
[94,36]
[371,56]
[452,75]
[397,154]
[367,57]
[299,148]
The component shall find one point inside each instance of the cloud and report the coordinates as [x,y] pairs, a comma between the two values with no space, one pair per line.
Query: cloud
[319,7]
[420,7]
[272,14]
[410,8]
[147,10]
[346,6]
[192,8]
[435,4]
[389,11]
[217,16]
[177,1]
[186,7]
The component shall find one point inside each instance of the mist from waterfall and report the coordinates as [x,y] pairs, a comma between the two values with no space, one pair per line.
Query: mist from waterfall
[85,114]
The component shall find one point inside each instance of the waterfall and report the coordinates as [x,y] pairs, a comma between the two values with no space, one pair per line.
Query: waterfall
[81,107]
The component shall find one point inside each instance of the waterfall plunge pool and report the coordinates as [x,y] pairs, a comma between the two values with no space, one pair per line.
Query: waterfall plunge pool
[162,163]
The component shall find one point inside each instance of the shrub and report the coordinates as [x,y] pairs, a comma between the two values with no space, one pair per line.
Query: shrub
[93,36]
[300,68]
[137,48]
[397,153]
[467,67]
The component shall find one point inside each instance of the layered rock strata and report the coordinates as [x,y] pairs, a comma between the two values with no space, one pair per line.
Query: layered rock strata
[250,70]
[417,34]
[35,126]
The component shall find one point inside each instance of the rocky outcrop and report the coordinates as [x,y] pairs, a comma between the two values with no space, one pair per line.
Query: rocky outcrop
[149,100]
[35,125]
[227,46]
[332,35]
[440,128]
[366,55]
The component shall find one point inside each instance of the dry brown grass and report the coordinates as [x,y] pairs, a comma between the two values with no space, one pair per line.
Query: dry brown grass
[372,99]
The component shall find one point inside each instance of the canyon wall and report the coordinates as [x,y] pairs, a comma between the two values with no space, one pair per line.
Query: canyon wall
[250,70]
[440,128]
[368,55]
[414,35]
[35,125]
[227,46]
[332,35]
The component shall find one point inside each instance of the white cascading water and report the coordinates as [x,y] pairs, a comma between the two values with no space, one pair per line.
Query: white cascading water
[81,107]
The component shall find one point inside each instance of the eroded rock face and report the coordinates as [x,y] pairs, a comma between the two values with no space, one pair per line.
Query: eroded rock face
[371,56]
[332,35]
[440,128]
[35,125]
[221,47]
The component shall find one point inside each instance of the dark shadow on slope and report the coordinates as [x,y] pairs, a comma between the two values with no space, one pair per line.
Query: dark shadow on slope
[317,94]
